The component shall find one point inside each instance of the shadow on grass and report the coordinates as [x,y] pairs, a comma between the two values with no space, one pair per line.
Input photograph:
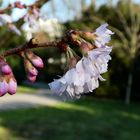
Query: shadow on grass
[85,119]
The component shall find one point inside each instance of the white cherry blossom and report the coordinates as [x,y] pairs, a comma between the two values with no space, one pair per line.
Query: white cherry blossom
[100,57]
[103,35]
[85,76]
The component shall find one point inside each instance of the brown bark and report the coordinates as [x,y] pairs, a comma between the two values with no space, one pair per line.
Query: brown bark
[129,83]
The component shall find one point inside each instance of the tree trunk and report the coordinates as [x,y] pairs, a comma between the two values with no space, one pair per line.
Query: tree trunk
[129,83]
[109,3]
[93,2]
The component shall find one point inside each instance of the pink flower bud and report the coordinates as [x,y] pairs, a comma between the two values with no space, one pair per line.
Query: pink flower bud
[6,69]
[12,87]
[30,70]
[37,62]
[34,59]
[17,4]
[33,71]
[85,47]
[88,36]
[3,88]
[31,78]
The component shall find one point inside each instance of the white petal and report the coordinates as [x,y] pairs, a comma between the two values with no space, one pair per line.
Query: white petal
[71,77]
[98,44]
[5,18]
[109,32]
[100,58]
[101,29]
[57,87]
[70,91]
[93,84]
[81,72]
[103,35]
[78,89]
[101,78]
[14,29]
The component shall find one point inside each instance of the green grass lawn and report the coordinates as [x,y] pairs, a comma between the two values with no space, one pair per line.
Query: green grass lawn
[84,119]
[26,89]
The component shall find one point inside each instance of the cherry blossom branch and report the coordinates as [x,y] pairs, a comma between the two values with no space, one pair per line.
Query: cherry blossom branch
[19,5]
[33,43]
[82,74]
[69,38]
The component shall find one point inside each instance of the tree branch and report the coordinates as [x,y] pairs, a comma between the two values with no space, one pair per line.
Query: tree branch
[33,43]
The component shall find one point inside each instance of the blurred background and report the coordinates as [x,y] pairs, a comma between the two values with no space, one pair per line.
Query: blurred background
[112,112]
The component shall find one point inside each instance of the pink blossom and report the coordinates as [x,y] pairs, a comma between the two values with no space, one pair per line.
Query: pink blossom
[37,62]
[31,78]
[33,71]
[3,88]
[7,80]
[12,86]
[34,59]
[6,69]
[30,70]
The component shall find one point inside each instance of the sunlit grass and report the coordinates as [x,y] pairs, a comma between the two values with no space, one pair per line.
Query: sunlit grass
[84,119]
[69,106]
[5,134]
[26,89]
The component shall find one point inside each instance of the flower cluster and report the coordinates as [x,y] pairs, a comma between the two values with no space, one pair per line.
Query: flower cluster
[8,83]
[22,9]
[7,80]
[83,75]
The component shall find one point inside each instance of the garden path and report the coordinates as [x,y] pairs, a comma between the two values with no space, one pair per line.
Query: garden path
[25,100]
